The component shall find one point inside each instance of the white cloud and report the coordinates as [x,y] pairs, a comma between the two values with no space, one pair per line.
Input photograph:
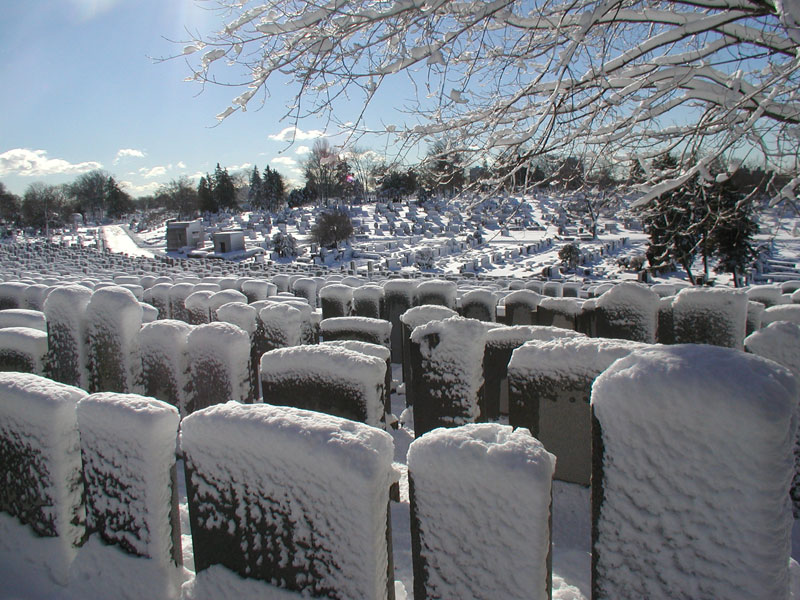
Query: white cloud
[296,134]
[141,190]
[153,172]
[241,167]
[34,163]
[128,153]
[286,161]
[181,164]
[301,150]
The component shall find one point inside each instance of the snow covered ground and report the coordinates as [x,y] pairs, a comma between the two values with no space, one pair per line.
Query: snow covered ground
[117,239]
[22,576]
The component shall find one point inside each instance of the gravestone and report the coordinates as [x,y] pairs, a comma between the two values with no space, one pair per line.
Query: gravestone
[113,319]
[628,311]
[311,515]
[692,442]
[219,365]
[40,458]
[327,379]
[500,344]
[447,372]
[480,500]
[549,387]
[163,347]
[64,310]
[130,482]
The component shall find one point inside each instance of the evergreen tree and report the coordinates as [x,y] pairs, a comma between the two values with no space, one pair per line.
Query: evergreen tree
[256,192]
[274,189]
[223,190]
[205,195]
[570,255]
[673,224]
[118,201]
[731,238]
[331,228]
[285,245]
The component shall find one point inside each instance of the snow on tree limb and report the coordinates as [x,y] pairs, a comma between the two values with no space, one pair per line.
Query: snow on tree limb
[628,79]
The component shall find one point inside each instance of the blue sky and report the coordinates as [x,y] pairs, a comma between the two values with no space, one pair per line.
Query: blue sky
[81,91]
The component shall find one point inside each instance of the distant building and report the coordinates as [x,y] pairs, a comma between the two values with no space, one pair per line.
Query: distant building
[184,233]
[228,241]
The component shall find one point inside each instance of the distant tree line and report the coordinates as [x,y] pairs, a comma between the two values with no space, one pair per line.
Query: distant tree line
[94,195]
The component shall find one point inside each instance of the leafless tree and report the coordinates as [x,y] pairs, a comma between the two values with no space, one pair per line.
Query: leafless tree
[625,79]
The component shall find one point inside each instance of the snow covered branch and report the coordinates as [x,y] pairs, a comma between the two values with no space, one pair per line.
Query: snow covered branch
[623,78]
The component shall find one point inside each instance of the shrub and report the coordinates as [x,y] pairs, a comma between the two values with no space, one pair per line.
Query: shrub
[331,228]
[285,245]
[570,255]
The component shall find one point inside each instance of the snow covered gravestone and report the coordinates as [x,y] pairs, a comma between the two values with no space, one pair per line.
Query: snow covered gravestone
[438,292]
[550,384]
[177,301]
[64,310]
[780,341]
[280,325]
[129,471]
[23,349]
[377,351]
[373,331]
[409,320]
[327,379]
[368,301]
[521,307]
[480,513]
[12,294]
[500,344]
[196,305]
[163,347]
[447,372]
[692,466]
[219,365]
[480,305]
[159,297]
[221,298]
[310,515]
[245,317]
[40,462]
[710,316]
[113,319]
[21,317]
[258,289]
[306,288]
[628,311]
[558,312]
[398,298]
[336,300]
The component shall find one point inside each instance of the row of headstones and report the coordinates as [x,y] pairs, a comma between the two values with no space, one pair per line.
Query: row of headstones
[627,310]
[676,481]
[96,340]
[311,515]
[666,411]
[461,371]
[37,258]
[193,367]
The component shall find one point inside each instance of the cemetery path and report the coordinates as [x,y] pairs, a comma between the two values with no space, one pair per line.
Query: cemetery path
[118,239]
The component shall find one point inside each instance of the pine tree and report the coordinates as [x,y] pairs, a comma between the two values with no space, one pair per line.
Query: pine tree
[673,223]
[205,195]
[223,190]
[274,189]
[731,238]
[256,192]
